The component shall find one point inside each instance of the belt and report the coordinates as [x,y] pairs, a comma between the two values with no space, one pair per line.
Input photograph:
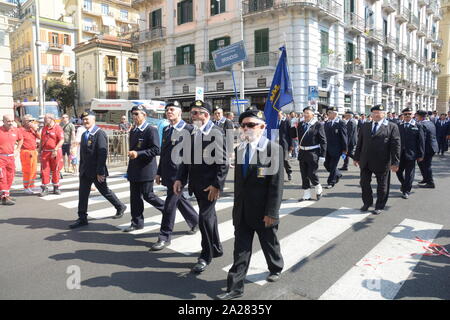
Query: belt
[310,147]
[51,150]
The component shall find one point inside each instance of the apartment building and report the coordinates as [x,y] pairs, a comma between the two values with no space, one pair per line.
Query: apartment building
[351,54]
[107,68]
[443,104]
[101,17]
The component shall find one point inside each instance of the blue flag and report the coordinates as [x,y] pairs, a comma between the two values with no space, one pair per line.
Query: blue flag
[280,93]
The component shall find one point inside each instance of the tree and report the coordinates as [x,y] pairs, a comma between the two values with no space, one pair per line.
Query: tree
[63,93]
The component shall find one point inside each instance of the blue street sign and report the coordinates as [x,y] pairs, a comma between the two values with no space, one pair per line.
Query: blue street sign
[229,55]
[240,101]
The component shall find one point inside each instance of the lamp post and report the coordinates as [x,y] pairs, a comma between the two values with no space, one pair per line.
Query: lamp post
[38,61]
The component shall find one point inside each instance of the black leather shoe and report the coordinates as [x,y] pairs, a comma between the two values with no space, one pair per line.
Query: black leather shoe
[289,177]
[120,212]
[200,266]
[330,186]
[343,169]
[273,277]
[132,228]
[300,200]
[161,244]
[230,295]
[428,186]
[364,208]
[79,223]
[377,212]
[421,182]
[193,230]
[57,191]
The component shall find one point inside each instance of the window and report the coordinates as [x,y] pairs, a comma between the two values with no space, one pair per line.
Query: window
[350,52]
[369,60]
[88,5]
[185,55]
[54,38]
[155,19]
[185,11]
[324,42]
[105,9]
[157,65]
[67,40]
[124,14]
[217,7]
[216,44]
[261,41]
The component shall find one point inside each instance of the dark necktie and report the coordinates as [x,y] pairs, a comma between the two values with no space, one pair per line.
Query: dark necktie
[374,130]
[86,136]
[246,160]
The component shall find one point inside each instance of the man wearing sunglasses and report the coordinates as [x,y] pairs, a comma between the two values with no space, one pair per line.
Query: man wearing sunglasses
[206,175]
[144,147]
[413,148]
[258,191]
[28,153]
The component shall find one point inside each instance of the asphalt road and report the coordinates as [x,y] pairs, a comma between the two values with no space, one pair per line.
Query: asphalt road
[42,259]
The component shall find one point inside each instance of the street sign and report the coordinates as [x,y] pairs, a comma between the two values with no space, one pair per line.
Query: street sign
[229,55]
[199,93]
[240,101]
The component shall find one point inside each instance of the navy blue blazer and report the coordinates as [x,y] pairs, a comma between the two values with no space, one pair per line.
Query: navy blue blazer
[413,141]
[93,153]
[431,145]
[336,133]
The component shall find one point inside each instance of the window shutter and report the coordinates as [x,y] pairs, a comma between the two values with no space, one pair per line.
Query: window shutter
[150,20]
[191,54]
[116,66]
[179,13]
[50,39]
[212,48]
[157,61]
[43,37]
[190,13]
[105,63]
[222,6]
[180,56]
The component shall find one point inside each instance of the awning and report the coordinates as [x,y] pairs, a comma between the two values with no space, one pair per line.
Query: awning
[108,21]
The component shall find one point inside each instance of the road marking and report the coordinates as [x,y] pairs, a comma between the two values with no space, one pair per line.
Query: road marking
[299,245]
[384,281]
[191,244]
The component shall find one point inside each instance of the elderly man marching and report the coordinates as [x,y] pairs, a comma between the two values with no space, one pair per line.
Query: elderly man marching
[9,137]
[52,139]
[28,153]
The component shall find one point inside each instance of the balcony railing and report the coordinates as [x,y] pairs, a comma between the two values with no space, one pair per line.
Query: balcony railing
[389,5]
[403,14]
[253,6]
[375,35]
[389,42]
[413,22]
[90,28]
[157,75]
[422,31]
[55,46]
[183,71]
[388,79]
[209,67]
[264,59]
[374,75]
[149,35]
[328,61]
[354,22]
[353,69]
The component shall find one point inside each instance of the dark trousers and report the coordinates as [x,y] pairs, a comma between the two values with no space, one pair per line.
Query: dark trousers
[331,164]
[171,204]
[383,181]
[140,191]
[85,190]
[347,158]
[425,168]
[442,144]
[405,173]
[207,223]
[243,251]
[287,166]
[309,163]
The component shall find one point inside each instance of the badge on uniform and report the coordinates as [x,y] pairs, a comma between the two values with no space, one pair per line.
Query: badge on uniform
[139,145]
[89,142]
[336,131]
[261,173]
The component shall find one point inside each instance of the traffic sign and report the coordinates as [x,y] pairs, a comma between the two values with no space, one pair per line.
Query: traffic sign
[229,55]
[240,101]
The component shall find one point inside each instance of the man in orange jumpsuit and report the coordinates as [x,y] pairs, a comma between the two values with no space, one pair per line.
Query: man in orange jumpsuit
[28,153]
[9,136]
[52,138]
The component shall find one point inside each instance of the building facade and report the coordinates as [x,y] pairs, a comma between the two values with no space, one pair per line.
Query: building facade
[443,104]
[350,54]
[107,68]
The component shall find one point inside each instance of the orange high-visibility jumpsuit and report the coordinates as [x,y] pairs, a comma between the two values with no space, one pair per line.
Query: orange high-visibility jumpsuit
[50,137]
[29,157]
[8,139]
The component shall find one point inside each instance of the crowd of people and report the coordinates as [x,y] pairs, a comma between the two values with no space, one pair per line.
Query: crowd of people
[378,144]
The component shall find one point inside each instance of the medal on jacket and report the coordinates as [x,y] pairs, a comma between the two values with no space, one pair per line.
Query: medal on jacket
[89,142]
[261,173]
[139,145]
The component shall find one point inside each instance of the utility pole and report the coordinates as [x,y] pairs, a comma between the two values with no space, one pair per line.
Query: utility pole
[38,61]
[242,90]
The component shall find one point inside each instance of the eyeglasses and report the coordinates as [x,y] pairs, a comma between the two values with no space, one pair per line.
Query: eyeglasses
[250,125]
[135,113]
[194,113]
[407,114]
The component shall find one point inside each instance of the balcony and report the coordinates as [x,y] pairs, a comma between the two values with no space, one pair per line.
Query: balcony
[264,60]
[185,71]
[209,67]
[438,15]
[374,35]
[330,64]
[401,49]
[435,92]
[373,76]
[330,10]
[422,3]
[354,23]
[91,29]
[353,70]
[55,69]
[111,74]
[255,6]
[133,76]
[388,80]
[436,69]
[403,15]
[389,6]
[430,8]
[149,35]
[437,44]
[154,76]
[26,70]
[389,43]
[55,47]
[422,31]
[413,22]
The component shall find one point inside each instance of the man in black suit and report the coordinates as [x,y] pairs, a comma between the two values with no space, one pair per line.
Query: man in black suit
[228,129]
[93,154]
[312,150]
[258,190]
[206,174]
[285,141]
[442,128]
[173,135]
[431,147]
[352,137]
[413,148]
[336,133]
[141,172]
[377,152]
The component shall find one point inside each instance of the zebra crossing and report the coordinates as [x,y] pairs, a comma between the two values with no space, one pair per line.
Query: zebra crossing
[360,282]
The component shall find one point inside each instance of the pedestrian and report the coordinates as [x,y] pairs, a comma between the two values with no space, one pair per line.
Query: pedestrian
[141,172]
[206,175]
[28,152]
[52,139]
[293,134]
[285,141]
[69,138]
[10,136]
[124,125]
[312,150]
[337,145]
[352,137]
[93,155]
[173,135]
[412,150]
[258,189]
[227,128]
[377,152]
[442,127]
[431,148]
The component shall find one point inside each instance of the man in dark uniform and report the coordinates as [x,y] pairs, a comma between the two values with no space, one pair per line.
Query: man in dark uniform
[167,171]
[431,147]
[352,137]
[221,121]
[442,127]
[312,148]
[206,175]
[413,148]
[93,154]
[144,147]
[336,133]
[377,152]
[285,141]
[258,191]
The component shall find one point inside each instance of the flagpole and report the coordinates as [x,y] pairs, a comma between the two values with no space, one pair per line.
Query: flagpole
[289,71]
